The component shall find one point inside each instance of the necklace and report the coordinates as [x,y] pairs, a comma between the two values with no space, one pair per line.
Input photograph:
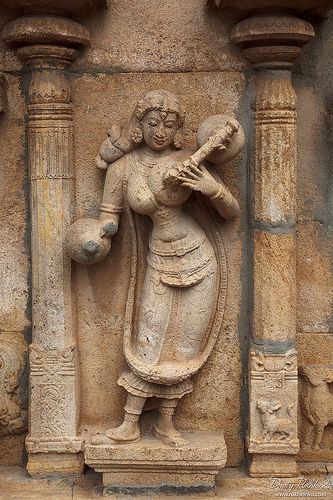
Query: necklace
[141,165]
[147,162]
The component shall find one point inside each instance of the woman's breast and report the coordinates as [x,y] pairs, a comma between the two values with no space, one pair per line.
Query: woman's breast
[140,197]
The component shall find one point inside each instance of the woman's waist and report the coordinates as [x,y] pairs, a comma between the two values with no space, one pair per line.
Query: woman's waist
[184,269]
[176,246]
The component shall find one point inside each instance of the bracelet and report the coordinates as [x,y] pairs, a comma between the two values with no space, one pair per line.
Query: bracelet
[221,193]
[110,209]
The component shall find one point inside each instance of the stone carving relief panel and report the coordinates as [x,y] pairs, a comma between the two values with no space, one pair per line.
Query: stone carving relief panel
[13,397]
[177,290]
[272,406]
[13,411]
[316,409]
[52,376]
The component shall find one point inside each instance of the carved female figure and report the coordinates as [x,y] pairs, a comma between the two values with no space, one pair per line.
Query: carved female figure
[172,322]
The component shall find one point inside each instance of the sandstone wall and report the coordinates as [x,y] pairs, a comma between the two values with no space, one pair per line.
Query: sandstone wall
[183,47]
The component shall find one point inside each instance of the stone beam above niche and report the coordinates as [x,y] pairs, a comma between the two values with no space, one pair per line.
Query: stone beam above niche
[71,8]
[315,7]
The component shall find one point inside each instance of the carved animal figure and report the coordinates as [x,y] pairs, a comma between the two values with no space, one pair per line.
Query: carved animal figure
[272,423]
[316,402]
[13,418]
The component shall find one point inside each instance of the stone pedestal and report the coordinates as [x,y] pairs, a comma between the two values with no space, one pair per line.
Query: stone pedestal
[150,466]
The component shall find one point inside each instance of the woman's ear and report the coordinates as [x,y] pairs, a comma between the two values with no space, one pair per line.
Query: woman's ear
[136,135]
[178,140]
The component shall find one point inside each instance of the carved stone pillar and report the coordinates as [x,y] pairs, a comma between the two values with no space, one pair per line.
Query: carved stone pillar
[48,45]
[272,42]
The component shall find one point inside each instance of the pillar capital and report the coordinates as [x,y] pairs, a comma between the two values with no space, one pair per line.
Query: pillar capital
[272,40]
[46,41]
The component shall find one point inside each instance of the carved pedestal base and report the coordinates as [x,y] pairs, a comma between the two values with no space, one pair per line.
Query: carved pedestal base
[55,464]
[273,465]
[149,466]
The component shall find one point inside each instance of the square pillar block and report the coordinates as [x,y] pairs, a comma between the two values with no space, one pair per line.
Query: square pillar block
[150,466]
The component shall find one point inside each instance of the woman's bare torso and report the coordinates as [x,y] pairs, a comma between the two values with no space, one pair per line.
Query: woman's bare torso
[147,195]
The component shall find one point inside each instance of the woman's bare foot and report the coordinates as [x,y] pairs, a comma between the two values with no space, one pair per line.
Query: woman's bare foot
[127,432]
[166,432]
[99,439]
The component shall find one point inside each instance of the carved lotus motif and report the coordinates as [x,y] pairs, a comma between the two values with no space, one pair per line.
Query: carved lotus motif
[317,6]
[76,8]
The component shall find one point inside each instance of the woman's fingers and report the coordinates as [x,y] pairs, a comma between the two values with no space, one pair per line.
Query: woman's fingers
[195,170]
[188,184]
[187,174]
[203,169]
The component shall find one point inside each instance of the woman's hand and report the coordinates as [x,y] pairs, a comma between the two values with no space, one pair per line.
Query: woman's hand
[109,226]
[198,178]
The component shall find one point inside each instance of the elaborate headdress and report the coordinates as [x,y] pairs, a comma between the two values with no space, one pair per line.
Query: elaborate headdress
[160,100]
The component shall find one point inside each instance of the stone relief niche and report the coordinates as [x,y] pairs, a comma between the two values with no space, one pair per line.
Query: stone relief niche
[164,201]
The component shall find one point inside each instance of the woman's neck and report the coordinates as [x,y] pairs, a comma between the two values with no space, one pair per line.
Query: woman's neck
[145,150]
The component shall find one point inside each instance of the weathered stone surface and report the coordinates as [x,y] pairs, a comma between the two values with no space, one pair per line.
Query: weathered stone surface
[315,279]
[316,403]
[13,397]
[143,37]
[274,293]
[297,5]
[232,483]
[151,467]
[315,348]
[14,243]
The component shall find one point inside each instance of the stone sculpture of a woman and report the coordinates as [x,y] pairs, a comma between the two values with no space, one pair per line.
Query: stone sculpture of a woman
[172,321]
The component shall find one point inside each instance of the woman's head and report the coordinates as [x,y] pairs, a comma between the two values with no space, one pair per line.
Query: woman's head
[159,117]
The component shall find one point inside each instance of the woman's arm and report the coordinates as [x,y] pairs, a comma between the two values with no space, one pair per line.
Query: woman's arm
[199,178]
[112,202]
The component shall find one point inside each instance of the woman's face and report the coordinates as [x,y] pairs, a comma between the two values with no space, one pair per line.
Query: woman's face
[159,129]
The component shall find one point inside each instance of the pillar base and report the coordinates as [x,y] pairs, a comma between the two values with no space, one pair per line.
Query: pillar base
[49,464]
[270,465]
[151,467]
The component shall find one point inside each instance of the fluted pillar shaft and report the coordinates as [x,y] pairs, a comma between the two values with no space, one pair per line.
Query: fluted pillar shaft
[272,42]
[53,443]
[274,204]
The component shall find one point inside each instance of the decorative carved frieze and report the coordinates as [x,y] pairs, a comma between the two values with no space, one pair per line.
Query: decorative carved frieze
[52,380]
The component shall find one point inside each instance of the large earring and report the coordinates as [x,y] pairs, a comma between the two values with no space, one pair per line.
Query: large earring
[178,140]
[137,135]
